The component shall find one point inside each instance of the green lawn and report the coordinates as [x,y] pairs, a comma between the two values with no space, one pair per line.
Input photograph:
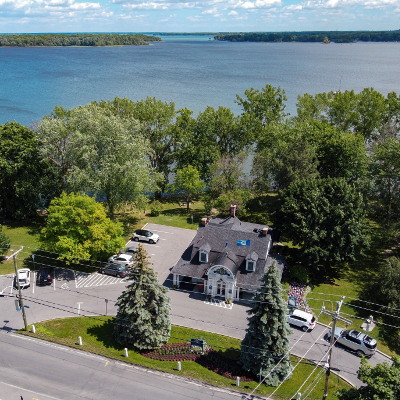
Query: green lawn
[171,214]
[97,338]
[20,235]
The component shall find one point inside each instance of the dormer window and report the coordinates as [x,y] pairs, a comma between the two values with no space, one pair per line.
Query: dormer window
[204,252]
[250,265]
[203,256]
[251,260]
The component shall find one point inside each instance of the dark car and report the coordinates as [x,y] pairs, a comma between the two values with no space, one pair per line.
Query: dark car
[45,276]
[115,270]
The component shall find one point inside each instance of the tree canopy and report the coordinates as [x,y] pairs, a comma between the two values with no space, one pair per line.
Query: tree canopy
[77,228]
[187,184]
[382,382]
[326,218]
[25,178]
[101,153]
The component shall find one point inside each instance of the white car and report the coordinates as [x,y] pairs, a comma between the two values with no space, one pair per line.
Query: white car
[121,259]
[145,235]
[301,319]
[24,278]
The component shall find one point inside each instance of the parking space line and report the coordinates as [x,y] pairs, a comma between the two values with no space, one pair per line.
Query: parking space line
[169,233]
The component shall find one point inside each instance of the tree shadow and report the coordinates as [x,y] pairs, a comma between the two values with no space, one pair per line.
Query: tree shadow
[104,333]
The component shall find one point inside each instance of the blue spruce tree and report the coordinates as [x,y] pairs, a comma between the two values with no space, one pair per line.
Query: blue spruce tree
[142,321]
[266,341]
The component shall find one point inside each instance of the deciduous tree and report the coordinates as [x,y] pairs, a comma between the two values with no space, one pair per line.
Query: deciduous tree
[381,382]
[25,178]
[77,228]
[326,218]
[265,347]
[187,184]
[100,153]
[386,178]
[142,319]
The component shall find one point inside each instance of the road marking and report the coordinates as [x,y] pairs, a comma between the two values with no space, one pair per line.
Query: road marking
[96,279]
[219,303]
[169,233]
[31,391]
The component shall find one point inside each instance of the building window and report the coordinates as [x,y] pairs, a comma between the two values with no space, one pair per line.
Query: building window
[250,265]
[203,257]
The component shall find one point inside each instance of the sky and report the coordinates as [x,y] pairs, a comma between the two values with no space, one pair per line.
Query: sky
[38,16]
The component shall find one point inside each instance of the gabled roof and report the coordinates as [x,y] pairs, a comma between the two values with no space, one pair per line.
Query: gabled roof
[222,236]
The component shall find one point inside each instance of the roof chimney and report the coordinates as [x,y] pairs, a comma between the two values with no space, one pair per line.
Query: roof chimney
[204,221]
[265,231]
[233,210]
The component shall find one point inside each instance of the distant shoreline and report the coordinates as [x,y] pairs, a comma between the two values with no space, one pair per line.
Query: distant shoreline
[76,40]
[320,36]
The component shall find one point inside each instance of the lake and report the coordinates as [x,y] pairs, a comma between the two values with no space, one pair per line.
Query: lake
[192,71]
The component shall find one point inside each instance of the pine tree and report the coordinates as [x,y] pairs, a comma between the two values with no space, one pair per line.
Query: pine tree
[142,321]
[266,341]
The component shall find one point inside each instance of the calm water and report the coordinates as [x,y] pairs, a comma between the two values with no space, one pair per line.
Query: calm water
[192,72]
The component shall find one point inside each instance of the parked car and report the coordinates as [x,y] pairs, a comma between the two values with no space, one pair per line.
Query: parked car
[45,276]
[122,259]
[24,278]
[130,250]
[115,270]
[301,319]
[361,343]
[145,235]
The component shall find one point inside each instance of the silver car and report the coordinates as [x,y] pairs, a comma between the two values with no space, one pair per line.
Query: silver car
[361,343]
[121,259]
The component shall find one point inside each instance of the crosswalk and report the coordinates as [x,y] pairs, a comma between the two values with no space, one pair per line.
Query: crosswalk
[83,279]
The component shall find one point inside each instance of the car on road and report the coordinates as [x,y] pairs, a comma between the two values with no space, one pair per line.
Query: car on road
[303,320]
[122,259]
[45,276]
[24,278]
[113,269]
[359,342]
[145,236]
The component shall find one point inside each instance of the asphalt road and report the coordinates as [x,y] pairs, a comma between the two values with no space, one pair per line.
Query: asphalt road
[31,369]
[96,295]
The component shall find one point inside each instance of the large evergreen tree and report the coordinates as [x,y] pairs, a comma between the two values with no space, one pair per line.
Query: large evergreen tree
[142,320]
[265,347]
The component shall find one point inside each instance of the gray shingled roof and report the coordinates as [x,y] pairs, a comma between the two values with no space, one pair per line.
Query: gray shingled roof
[222,235]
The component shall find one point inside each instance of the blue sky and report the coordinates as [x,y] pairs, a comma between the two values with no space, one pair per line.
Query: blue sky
[197,16]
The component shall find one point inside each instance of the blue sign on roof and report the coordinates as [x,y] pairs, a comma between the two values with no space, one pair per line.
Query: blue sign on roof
[243,243]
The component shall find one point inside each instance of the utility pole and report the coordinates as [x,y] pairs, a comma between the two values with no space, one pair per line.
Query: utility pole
[335,316]
[20,299]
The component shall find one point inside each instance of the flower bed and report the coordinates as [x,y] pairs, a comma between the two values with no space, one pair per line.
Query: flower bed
[299,291]
[210,359]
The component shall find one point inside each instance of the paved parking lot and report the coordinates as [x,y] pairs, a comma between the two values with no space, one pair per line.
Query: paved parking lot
[167,251]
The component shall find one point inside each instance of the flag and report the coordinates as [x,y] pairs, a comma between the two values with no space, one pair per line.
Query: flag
[243,243]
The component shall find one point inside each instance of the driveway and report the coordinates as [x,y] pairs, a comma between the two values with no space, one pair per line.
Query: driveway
[168,250]
[96,295]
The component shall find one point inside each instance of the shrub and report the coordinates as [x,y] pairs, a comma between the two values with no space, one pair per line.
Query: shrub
[155,208]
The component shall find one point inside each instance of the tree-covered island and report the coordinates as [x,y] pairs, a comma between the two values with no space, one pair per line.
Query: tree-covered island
[313,36]
[79,39]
